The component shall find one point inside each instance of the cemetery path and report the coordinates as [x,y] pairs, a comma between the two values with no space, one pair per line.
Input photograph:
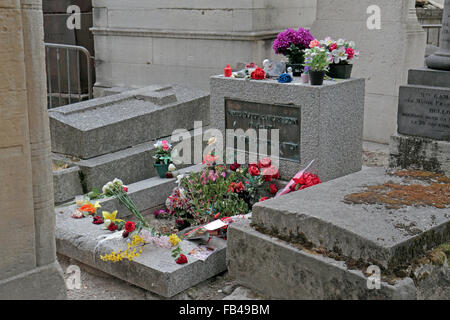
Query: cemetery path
[97,285]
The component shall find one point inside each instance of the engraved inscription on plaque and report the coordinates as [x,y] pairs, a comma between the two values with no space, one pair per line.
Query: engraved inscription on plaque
[252,115]
[424,112]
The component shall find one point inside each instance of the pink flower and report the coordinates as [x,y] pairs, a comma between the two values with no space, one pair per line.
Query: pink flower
[165,142]
[333,46]
[165,147]
[314,43]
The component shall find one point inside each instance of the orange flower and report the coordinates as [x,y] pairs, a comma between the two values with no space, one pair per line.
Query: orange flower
[89,207]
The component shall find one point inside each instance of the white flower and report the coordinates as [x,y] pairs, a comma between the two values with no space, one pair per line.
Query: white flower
[212,140]
[172,167]
[179,178]
[351,44]
[107,223]
[105,189]
[117,181]
[340,42]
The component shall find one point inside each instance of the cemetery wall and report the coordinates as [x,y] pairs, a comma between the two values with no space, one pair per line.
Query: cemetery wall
[140,42]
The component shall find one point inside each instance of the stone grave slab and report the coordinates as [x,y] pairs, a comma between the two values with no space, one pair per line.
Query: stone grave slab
[371,232]
[155,270]
[324,123]
[124,120]
[279,270]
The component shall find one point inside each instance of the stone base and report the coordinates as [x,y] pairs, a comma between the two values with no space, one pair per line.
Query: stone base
[378,233]
[155,270]
[408,152]
[43,283]
[66,184]
[277,269]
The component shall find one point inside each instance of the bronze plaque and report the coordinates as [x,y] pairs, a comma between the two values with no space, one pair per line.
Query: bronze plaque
[253,115]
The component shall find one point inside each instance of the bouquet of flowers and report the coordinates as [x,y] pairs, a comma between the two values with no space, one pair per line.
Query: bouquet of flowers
[317,58]
[163,150]
[342,51]
[291,44]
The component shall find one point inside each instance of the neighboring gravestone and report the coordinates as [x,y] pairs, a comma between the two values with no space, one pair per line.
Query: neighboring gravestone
[321,123]
[423,139]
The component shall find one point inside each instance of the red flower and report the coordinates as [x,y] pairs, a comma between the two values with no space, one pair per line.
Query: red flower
[263,199]
[125,188]
[112,227]
[239,187]
[253,170]
[273,189]
[125,234]
[258,74]
[333,46]
[169,175]
[179,222]
[264,163]
[217,215]
[97,220]
[182,259]
[235,166]
[270,173]
[130,226]
[251,65]
[350,52]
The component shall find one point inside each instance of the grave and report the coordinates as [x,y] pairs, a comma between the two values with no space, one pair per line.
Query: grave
[324,123]
[114,136]
[423,138]
[318,243]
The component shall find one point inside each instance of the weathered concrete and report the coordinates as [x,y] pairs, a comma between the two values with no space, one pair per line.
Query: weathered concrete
[155,270]
[386,237]
[124,120]
[66,184]
[408,152]
[279,270]
[331,119]
[386,69]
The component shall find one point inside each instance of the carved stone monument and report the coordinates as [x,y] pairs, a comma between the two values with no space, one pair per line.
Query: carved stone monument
[423,139]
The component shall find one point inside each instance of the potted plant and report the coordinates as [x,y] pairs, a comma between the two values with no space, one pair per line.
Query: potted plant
[317,60]
[162,157]
[343,52]
[292,43]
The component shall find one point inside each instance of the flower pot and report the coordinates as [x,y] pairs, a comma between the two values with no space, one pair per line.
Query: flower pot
[316,77]
[297,69]
[340,71]
[161,168]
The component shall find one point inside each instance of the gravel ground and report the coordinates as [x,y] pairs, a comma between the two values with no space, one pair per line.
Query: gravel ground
[96,285]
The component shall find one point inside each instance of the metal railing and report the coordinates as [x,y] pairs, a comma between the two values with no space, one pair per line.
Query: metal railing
[437,34]
[66,64]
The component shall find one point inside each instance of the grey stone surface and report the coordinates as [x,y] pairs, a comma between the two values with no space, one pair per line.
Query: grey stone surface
[278,270]
[331,119]
[66,184]
[429,77]
[408,152]
[131,165]
[387,237]
[155,270]
[424,111]
[146,194]
[240,293]
[441,59]
[124,120]
[42,283]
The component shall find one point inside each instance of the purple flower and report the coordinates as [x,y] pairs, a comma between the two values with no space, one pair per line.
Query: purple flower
[301,38]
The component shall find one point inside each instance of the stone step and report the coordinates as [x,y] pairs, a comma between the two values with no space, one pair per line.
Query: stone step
[371,232]
[155,270]
[277,269]
[109,124]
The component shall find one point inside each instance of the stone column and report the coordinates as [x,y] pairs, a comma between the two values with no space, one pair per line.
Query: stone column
[441,59]
[28,268]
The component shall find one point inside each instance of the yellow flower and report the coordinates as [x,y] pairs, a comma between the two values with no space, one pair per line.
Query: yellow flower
[97,205]
[174,240]
[111,216]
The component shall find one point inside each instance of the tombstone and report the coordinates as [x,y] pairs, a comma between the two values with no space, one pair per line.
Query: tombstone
[321,123]
[423,139]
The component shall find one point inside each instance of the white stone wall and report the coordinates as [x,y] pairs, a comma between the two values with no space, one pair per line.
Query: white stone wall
[141,42]
[386,54]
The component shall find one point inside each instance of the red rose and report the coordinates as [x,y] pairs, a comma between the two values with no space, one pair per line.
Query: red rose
[130,226]
[273,189]
[169,175]
[235,166]
[264,163]
[253,170]
[333,47]
[239,187]
[258,74]
[182,259]
[125,234]
[271,172]
[97,220]
[350,52]
[112,227]
[125,188]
